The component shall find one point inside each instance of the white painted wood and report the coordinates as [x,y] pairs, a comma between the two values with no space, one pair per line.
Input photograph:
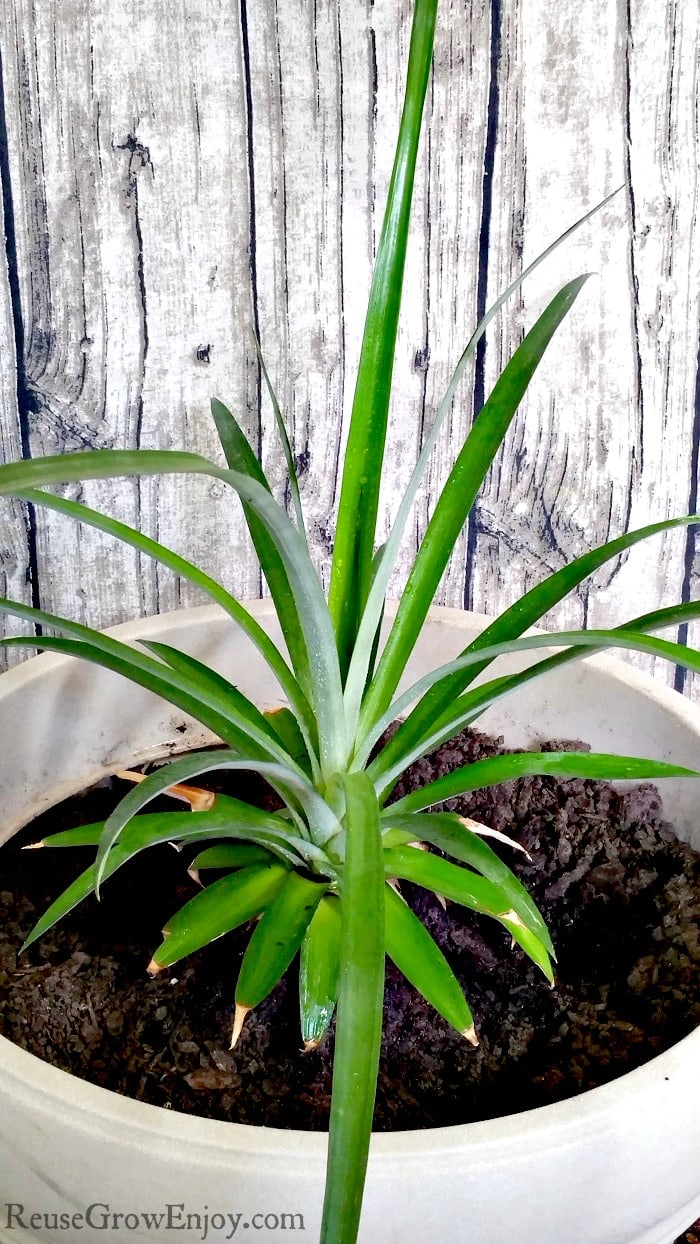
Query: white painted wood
[14,544]
[181,173]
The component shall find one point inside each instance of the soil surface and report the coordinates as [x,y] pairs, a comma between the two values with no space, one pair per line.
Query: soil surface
[620,894]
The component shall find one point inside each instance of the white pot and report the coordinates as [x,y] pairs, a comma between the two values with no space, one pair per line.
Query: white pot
[616,1165]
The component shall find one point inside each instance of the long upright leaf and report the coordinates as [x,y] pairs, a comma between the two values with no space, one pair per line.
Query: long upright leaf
[187,570]
[359,497]
[526,612]
[359,1018]
[577,642]
[458,496]
[361,671]
[284,440]
[324,673]
[198,702]
[240,457]
[443,711]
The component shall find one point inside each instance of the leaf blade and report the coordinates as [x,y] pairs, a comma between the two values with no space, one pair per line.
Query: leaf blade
[457,497]
[526,612]
[448,832]
[359,1017]
[563,765]
[187,570]
[419,958]
[319,969]
[241,458]
[359,496]
[218,909]
[277,938]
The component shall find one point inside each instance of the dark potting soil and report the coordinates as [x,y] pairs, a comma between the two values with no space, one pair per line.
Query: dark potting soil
[621,896]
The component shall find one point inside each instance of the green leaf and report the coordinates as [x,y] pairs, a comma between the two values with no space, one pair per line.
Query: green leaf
[221,907]
[531,944]
[457,498]
[230,818]
[562,765]
[384,770]
[275,941]
[511,624]
[448,832]
[357,515]
[319,967]
[256,726]
[314,618]
[286,726]
[75,893]
[121,659]
[194,763]
[453,882]
[81,836]
[284,441]
[229,855]
[416,955]
[241,458]
[358,675]
[462,886]
[359,1020]
[245,620]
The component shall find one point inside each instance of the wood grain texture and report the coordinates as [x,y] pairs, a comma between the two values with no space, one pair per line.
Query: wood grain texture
[180,174]
[15,525]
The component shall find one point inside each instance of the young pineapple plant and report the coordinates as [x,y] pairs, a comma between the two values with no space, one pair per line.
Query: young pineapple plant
[323,873]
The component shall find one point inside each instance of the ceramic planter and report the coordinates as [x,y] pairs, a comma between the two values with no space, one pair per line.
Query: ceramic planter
[616,1165]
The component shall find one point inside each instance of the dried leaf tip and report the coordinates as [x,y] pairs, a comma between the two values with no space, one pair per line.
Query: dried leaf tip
[154,968]
[469,1035]
[34,846]
[512,917]
[198,799]
[130,775]
[396,888]
[486,832]
[238,1022]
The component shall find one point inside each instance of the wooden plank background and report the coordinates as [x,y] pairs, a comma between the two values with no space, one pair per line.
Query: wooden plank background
[178,172]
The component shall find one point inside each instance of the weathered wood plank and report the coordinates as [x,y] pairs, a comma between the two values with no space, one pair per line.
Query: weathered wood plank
[664,145]
[15,559]
[132,238]
[182,174]
[601,444]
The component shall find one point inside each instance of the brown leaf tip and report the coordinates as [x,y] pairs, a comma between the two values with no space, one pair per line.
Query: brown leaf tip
[238,1022]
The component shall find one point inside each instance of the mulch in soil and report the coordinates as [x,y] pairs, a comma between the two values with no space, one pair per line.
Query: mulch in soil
[620,893]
